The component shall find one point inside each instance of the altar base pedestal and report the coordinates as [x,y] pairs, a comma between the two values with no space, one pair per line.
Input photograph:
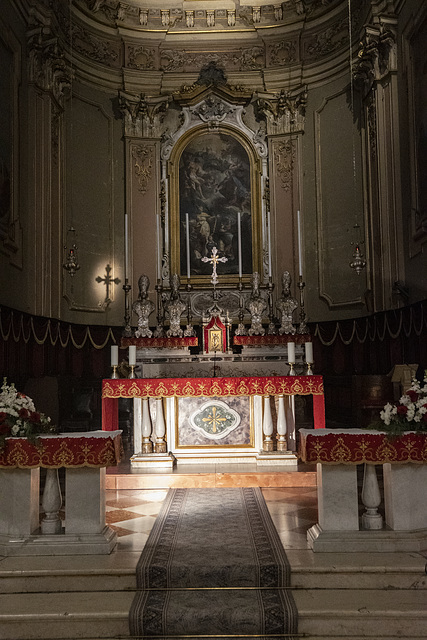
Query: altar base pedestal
[152,461]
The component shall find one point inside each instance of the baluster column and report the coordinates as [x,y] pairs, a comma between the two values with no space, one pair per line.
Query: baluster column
[147,445]
[371,498]
[51,504]
[160,444]
[267,425]
[281,425]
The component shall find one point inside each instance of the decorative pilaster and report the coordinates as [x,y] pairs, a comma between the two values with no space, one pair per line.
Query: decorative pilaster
[49,82]
[375,75]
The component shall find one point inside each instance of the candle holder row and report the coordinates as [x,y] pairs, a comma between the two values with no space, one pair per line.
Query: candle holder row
[115,361]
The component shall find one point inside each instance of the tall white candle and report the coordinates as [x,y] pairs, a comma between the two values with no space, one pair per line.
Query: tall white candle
[132,354]
[239,242]
[291,351]
[187,241]
[114,355]
[309,352]
[126,246]
[269,244]
[159,248]
[299,243]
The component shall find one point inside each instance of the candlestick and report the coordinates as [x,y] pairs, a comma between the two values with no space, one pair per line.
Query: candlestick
[309,352]
[114,358]
[299,244]
[239,242]
[159,248]
[269,244]
[132,355]
[114,355]
[187,242]
[291,352]
[126,246]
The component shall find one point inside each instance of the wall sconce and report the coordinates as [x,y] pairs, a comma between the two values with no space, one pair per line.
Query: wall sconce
[358,263]
[71,264]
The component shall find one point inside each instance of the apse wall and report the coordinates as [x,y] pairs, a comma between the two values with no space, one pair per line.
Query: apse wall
[352,173]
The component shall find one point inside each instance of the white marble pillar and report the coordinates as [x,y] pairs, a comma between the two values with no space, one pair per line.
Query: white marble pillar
[371,498]
[137,425]
[160,444]
[405,496]
[337,497]
[85,500]
[51,503]
[281,424]
[147,445]
[19,501]
[290,421]
[267,426]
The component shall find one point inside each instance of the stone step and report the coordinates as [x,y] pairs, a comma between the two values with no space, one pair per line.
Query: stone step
[32,574]
[221,475]
[323,613]
[116,572]
[357,570]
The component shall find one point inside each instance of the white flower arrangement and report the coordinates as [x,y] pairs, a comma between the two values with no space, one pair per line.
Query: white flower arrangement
[411,412]
[18,415]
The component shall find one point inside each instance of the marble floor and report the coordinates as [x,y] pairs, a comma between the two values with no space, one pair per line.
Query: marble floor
[131,513]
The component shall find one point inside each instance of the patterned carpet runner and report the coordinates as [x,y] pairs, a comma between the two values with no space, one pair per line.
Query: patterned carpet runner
[213,566]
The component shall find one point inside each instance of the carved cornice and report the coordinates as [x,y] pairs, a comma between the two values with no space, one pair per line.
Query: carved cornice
[142,115]
[47,68]
[157,16]
[377,53]
[284,112]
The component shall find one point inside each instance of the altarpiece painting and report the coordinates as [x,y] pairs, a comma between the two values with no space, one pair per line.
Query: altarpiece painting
[216,206]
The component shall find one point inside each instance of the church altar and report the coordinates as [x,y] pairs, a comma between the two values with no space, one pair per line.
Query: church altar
[404,467]
[85,457]
[210,419]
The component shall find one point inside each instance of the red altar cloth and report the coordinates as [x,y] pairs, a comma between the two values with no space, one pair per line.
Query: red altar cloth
[112,389]
[357,446]
[298,338]
[92,449]
[159,343]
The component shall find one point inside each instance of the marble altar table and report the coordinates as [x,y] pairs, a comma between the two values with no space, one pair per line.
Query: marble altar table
[85,457]
[404,463]
[180,402]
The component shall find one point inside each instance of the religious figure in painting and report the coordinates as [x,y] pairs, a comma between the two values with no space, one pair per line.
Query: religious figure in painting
[286,305]
[215,192]
[256,307]
[175,309]
[143,307]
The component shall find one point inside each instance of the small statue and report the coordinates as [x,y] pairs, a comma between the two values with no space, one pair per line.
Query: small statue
[143,307]
[286,305]
[256,306]
[175,308]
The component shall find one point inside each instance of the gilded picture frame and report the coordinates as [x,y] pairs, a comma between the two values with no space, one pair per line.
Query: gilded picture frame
[215,179]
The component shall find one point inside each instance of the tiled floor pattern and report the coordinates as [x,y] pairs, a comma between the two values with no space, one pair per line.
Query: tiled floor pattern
[131,513]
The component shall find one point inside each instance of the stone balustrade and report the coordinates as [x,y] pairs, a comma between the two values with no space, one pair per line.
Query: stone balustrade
[340,526]
[85,457]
